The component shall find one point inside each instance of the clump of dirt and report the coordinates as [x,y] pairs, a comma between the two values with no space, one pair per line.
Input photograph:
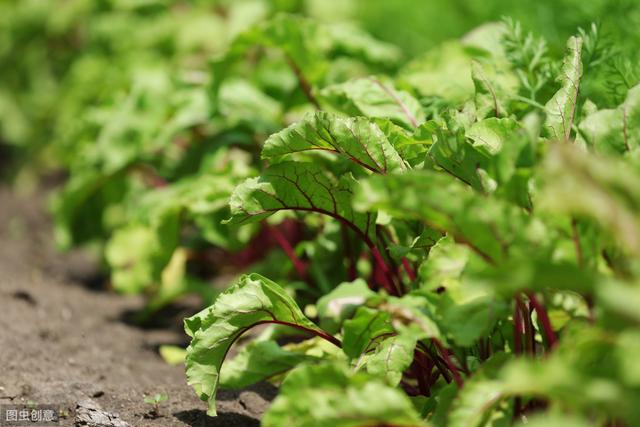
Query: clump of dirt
[64,340]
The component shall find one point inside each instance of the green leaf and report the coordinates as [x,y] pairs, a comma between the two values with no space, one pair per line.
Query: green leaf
[360,332]
[477,397]
[155,399]
[174,282]
[242,102]
[329,395]
[444,71]
[303,187]
[79,208]
[309,48]
[172,354]
[342,302]
[458,157]
[561,109]
[138,254]
[355,139]
[557,420]
[443,400]
[487,99]
[411,315]
[352,41]
[574,377]
[473,320]
[535,273]
[444,266]
[412,147]
[487,225]
[300,39]
[494,88]
[614,131]
[392,357]
[627,348]
[376,98]
[619,299]
[491,134]
[608,191]
[258,361]
[253,300]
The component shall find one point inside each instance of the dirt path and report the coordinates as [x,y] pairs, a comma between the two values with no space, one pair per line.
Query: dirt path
[62,340]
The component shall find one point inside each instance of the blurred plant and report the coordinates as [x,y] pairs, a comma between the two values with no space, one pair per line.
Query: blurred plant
[155,401]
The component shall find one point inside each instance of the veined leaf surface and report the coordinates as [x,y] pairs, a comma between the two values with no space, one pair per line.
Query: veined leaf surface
[252,301]
[303,187]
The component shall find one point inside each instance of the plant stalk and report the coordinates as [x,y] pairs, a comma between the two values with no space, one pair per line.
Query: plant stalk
[544,320]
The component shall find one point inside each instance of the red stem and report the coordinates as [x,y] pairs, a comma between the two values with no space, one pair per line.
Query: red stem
[298,264]
[408,269]
[544,320]
[420,377]
[391,287]
[447,359]
[322,334]
[409,389]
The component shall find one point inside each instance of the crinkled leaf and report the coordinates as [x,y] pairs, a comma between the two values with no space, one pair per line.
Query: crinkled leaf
[458,157]
[487,99]
[303,187]
[561,108]
[494,89]
[412,147]
[615,130]
[356,139]
[376,98]
[392,357]
[251,301]
[491,134]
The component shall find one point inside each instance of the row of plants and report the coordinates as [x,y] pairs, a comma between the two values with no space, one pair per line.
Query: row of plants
[445,240]
[479,212]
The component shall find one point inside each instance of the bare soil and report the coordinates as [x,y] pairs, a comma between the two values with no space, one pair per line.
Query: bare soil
[65,339]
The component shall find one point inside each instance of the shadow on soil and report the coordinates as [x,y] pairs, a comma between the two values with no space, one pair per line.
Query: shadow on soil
[199,418]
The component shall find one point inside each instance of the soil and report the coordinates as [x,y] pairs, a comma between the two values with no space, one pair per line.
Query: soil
[65,339]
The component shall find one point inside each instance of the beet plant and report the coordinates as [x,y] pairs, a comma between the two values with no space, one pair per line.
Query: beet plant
[447,240]
[470,238]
